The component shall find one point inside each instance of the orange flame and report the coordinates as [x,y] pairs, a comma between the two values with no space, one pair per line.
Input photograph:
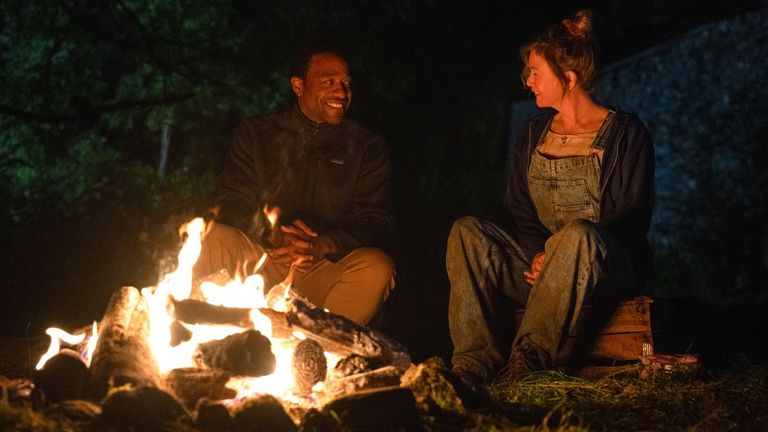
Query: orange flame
[248,293]
[58,335]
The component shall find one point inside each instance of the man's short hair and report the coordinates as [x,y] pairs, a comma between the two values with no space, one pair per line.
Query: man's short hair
[301,58]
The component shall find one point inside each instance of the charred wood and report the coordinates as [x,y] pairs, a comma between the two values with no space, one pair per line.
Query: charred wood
[200,312]
[179,333]
[281,329]
[247,353]
[123,355]
[342,336]
[193,384]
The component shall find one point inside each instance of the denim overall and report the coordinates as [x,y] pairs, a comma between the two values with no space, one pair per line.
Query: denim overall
[485,266]
[566,195]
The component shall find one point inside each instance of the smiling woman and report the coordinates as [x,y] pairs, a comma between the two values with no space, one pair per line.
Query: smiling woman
[579,196]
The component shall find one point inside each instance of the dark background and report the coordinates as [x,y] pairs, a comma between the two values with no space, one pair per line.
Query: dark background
[89,88]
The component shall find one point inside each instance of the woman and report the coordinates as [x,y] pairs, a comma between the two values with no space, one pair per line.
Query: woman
[579,201]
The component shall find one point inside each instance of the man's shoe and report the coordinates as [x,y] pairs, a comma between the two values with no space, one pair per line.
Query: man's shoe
[524,359]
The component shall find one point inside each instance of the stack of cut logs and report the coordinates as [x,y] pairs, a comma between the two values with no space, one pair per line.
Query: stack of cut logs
[369,359]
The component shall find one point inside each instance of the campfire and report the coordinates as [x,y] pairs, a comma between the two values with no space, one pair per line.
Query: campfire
[222,340]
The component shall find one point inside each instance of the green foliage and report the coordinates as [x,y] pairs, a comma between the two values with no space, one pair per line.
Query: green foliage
[64,180]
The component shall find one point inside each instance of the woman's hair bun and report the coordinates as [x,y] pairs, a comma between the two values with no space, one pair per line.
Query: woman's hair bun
[580,25]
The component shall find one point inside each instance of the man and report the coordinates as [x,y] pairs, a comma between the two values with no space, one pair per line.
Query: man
[330,179]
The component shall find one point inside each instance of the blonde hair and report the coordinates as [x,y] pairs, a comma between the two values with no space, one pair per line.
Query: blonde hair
[567,46]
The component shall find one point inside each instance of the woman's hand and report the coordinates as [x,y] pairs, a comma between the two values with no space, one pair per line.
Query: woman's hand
[536,265]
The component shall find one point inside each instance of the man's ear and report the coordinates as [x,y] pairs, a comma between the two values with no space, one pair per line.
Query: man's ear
[297,85]
[571,76]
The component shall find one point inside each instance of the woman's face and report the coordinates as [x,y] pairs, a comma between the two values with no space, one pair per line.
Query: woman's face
[543,82]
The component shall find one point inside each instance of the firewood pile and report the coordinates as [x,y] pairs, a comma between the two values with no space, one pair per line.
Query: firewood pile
[373,385]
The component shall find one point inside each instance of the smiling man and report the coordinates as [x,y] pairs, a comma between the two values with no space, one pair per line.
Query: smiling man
[324,90]
[330,178]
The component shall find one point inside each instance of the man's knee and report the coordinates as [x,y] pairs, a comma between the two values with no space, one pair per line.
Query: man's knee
[223,247]
[378,266]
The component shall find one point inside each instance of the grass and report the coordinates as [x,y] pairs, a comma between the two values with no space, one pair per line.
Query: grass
[731,401]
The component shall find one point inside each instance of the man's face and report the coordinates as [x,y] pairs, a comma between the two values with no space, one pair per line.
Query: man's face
[324,95]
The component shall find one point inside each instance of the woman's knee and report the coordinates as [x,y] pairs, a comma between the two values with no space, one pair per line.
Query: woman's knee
[464,225]
[579,228]
[579,233]
[463,231]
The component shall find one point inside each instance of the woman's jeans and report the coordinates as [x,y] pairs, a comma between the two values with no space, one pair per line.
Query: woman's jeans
[485,267]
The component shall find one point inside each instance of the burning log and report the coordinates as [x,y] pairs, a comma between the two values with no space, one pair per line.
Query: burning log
[200,312]
[220,278]
[193,384]
[341,336]
[122,354]
[179,333]
[247,353]
[280,327]
[308,365]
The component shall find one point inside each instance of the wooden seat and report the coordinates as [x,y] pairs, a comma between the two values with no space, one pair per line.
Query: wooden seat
[619,332]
